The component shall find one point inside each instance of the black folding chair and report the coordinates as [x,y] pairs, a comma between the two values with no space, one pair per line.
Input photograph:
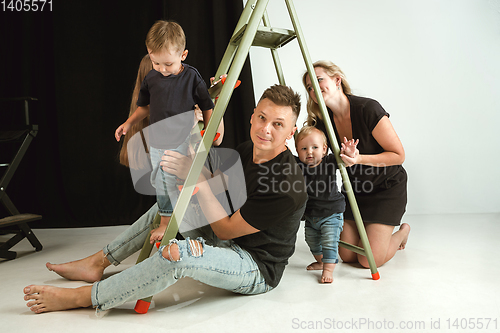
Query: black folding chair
[15,137]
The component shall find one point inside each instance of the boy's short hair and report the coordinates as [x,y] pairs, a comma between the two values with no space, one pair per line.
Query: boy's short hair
[166,35]
[307,130]
[283,96]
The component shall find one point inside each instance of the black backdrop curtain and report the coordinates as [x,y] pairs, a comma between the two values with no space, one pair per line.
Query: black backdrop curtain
[81,61]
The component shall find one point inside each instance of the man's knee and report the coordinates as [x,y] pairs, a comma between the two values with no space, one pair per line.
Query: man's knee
[195,248]
[171,251]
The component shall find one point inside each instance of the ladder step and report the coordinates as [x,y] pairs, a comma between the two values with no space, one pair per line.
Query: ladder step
[268,37]
[19,218]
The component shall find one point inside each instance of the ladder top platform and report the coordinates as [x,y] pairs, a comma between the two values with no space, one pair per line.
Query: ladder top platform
[268,37]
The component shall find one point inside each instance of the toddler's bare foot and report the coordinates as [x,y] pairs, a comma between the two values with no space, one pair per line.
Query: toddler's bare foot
[48,298]
[405,227]
[89,269]
[327,275]
[315,266]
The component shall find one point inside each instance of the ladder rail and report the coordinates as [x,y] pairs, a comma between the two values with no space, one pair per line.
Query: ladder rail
[231,49]
[274,54]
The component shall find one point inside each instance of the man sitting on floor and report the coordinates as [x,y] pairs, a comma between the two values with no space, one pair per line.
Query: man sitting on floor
[262,232]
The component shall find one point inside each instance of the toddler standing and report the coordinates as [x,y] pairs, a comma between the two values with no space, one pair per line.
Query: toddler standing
[325,206]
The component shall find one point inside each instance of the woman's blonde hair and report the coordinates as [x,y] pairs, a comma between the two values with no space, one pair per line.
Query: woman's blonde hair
[332,70]
[144,68]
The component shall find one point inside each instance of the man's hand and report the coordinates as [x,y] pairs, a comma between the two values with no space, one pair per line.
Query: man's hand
[175,163]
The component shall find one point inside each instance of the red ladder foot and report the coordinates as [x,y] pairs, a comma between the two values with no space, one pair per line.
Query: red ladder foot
[142,306]
[376,276]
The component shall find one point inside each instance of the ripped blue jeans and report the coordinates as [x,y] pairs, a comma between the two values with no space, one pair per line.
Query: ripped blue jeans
[221,264]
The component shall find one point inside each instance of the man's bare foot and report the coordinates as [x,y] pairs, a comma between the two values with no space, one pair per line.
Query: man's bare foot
[89,269]
[405,227]
[315,266]
[48,298]
[327,275]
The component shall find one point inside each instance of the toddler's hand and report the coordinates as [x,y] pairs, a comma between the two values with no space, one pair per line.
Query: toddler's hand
[348,147]
[349,152]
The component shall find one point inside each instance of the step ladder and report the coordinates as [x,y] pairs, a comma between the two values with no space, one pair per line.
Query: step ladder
[249,32]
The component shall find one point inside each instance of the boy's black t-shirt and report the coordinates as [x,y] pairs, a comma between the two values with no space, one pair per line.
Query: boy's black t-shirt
[169,96]
[276,198]
[321,183]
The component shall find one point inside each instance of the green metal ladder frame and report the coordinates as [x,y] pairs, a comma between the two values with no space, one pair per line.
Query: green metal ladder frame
[249,32]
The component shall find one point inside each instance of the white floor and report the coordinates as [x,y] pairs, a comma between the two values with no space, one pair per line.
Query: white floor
[447,279]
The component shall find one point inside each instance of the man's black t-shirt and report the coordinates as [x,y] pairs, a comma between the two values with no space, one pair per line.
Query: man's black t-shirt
[276,198]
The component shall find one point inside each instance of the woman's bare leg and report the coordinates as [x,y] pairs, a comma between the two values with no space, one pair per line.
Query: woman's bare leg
[349,235]
[404,226]
[384,242]
[89,269]
[47,298]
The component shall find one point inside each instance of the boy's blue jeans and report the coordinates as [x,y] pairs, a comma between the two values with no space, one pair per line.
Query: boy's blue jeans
[323,234]
[165,183]
[221,264]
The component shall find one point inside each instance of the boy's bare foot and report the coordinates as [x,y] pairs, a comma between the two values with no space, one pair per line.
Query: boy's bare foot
[327,275]
[89,269]
[157,234]
[48,298]
[315,266]
[405,227]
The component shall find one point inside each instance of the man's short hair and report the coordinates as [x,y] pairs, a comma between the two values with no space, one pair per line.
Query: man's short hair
[166,35]
[283,96]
